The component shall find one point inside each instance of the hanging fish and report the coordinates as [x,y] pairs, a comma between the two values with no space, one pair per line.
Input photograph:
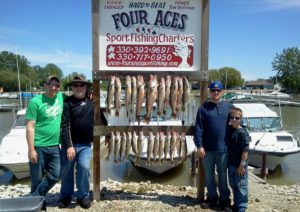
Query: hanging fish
[167,93]
[128,91]
[118,90]
[110,145]
[173,96]
[150,147]
[140,96]
[117,146]
[161,96]
[151,97]
[110,93]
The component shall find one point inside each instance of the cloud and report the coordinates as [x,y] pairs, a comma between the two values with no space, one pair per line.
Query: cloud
[282,4]
[67,60]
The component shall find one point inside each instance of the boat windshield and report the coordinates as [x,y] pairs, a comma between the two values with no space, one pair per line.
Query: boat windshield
[261,124]
[20,121]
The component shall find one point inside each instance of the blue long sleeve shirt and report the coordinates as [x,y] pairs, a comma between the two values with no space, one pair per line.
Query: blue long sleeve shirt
[211,126]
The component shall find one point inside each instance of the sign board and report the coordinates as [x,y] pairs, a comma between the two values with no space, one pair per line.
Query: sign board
[150,35]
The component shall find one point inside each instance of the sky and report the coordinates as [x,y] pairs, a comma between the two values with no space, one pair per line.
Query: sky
[243,34]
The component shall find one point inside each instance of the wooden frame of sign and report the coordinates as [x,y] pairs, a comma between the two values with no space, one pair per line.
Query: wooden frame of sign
[100,73]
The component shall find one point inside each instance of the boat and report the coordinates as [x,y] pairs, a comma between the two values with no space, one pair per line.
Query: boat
[267,135]
[14,149]
[166,164]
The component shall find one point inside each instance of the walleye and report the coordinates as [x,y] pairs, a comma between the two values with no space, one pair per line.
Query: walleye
[118,89]
[161,96]
[173,96]
[128,91]
[133,93]
[128,144]
[140,146]
[122,146]
[117,145]
[155,147]
[167,145]
[110,93]
[167,93]
[186,93]
[179,94]
[134,143]
[173,144]
[183,146]
[151,97]
[150,147]
[140,96]
[161,145]
[110,145]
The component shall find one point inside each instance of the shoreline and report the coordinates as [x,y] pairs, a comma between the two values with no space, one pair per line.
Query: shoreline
[145,196]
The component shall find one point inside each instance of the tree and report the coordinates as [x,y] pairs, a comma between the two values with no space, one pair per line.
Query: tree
[230,77]
[287,65]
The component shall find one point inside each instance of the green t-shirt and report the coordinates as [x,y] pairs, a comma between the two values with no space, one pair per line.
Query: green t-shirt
[46,112]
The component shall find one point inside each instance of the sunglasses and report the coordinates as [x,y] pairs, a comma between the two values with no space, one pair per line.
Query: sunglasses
[235,118]
[53,84]
[78,85]
[215,90]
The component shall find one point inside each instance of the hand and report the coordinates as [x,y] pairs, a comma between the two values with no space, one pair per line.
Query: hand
[71,153]
[201,152]
[241,171]
[32,156]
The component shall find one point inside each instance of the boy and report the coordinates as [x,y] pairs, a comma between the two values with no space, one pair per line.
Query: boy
[238,145]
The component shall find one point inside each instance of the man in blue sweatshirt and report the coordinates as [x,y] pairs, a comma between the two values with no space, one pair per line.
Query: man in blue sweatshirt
[210,134]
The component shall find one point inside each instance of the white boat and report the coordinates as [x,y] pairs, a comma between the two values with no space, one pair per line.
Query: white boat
[14,149]
[272,95]
[267,135]
[166,164]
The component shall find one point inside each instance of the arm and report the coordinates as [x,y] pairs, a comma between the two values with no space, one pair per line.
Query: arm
[32,155]
[198,135]
[66,131]
[241,169]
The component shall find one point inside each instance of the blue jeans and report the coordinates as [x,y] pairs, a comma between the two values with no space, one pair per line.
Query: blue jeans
[49,163]
[82,159]
[210,161]
[239,186]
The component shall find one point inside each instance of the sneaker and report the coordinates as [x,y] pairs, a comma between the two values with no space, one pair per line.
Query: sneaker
[84,203]
[223,204]
[210,202]
[64,202]
[44,208]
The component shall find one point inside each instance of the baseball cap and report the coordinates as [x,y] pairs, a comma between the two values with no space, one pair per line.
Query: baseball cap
[215,85]
[52,77]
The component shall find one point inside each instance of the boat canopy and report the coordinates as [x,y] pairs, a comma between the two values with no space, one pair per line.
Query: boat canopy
[254,110]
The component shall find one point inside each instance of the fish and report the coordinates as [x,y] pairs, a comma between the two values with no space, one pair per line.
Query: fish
[167,145]
[183,146]
[186,93]
[155,146]
[122,146]
[117,146]
[134,143]
[178,146]
[173,96]
[140,146]
[110,145]
[128,90]
[150,147]
[140,96]
[167,93]
[179,94]
[161,146]
[110,93]
[151,97]
[128,144]
[133,93]
[161,96]
[118,89]
[173,143]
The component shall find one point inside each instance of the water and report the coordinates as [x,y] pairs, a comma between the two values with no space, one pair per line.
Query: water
[289,172]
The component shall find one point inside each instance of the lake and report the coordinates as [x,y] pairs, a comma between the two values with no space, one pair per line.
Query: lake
[288,173]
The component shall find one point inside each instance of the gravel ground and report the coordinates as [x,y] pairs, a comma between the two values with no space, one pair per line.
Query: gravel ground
[145,196]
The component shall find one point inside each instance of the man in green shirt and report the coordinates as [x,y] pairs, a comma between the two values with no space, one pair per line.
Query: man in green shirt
[43,120]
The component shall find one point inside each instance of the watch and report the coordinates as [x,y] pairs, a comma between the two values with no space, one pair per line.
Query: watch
[242,163]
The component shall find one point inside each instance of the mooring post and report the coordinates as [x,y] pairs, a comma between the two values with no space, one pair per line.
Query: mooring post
[264,167]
